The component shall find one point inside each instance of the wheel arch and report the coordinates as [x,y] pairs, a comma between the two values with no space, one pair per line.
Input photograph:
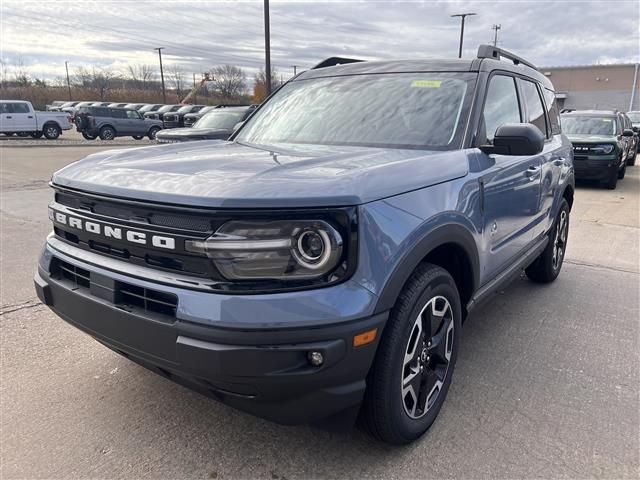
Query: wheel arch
[104,125]
[567,194]
[49,123]
[450,246]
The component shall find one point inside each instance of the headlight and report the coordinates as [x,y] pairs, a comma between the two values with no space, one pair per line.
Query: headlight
[603,149]
[282,250]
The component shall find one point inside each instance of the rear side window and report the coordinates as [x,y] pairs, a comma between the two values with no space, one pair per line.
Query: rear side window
[118,113]
[535,109]
[20,108]
[552,111]
[501,105]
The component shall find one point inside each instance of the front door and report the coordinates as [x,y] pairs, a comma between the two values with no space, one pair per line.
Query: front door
[511,183]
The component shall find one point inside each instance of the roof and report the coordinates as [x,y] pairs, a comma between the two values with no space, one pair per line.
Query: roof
[594,65]
[612,113]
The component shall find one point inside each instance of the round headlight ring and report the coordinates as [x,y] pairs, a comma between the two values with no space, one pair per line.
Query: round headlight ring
[309,260]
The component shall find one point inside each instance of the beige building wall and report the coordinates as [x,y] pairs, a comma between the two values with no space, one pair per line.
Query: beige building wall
[596,86]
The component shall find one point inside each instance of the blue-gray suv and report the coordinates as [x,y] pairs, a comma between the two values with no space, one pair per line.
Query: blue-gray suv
[319,265]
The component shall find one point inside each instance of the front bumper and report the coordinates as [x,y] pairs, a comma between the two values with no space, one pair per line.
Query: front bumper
[263,370]
[590,169]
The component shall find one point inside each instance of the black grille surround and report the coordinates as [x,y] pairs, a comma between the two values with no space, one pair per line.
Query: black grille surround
[189,223]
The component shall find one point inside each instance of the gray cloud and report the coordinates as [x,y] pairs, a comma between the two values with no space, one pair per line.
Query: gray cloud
[198,35]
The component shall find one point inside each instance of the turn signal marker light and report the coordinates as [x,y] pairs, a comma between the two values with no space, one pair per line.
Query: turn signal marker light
[365,338]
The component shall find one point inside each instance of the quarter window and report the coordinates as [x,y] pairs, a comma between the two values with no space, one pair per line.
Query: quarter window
[501,106]
[552,111]
[535,110]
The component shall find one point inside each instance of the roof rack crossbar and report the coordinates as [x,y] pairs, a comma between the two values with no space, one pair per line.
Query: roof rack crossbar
[333,61]
[489,51]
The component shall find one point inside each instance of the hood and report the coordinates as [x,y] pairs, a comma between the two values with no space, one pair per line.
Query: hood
[230,175]
[195,132]
[592,138]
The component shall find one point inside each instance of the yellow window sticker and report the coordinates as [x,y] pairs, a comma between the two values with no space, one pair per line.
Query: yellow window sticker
[426,83]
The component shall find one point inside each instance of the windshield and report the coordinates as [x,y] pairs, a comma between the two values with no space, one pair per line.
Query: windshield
[147,108]
[588,125]
[401,110]
[189,109]
[168,108]
[223,119]
[68,104]
[634,117]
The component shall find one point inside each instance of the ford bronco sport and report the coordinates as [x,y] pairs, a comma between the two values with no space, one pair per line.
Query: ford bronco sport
[320,264]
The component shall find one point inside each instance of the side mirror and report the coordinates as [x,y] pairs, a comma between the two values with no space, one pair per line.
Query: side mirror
[516,139]
[636,129]
[627,132]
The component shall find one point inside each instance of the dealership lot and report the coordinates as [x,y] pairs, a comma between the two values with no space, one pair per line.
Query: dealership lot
[547,383]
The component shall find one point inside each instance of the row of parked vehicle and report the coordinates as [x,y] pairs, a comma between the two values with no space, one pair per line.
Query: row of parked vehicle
[604,143]
[107,121]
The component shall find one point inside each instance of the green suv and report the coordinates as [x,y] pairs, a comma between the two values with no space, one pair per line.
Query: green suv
[600,144]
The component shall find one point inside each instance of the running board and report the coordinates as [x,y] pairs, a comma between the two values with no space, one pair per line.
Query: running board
[504,277]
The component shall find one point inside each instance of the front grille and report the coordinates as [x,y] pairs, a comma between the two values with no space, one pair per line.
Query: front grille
[132,298]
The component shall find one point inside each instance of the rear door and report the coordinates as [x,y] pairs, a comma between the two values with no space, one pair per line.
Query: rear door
[24,120]
[511,183]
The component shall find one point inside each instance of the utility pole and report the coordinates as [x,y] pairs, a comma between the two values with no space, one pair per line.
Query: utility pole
[66,67]
[164,95]
[267,48]
[295,69]
[495,36]
[195,95]
[462,17]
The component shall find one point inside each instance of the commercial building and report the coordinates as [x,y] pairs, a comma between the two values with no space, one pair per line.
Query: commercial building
[601,87]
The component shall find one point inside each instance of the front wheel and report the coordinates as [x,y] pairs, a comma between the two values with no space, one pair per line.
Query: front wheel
[546,267]
[414,364]
[622,172]
[152,132]
[51,132]
[631,161]
[138,137]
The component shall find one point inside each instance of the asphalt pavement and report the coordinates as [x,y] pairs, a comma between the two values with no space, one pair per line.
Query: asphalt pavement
[547,384]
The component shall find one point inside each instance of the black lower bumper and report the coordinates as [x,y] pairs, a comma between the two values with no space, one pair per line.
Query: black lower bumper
[595,169]
[263,372]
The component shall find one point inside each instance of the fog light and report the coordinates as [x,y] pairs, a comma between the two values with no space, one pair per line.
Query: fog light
[315,358]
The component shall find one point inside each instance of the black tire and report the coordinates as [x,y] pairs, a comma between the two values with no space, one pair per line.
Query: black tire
[88,136]
[138,137]
[80,121]
[547,266]
[613,180]
[389,402]
[107,133]
[36,134]
[622,172]
[152,132]
[51,131]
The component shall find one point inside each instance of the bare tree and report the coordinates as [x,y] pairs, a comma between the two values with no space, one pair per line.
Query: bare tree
[175,73]
[229,81]
[20,74]
[142,75]
[82,77]
[260,84]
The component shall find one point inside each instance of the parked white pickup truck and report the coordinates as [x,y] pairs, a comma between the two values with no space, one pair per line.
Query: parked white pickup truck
[18,116]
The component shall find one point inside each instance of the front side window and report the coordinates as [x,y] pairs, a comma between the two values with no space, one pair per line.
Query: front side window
[535,108]
[588,125]
[133,114]
[500,107]
[116,113]
[399,110]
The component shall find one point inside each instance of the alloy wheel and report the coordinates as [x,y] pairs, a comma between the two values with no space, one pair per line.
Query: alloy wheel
[560,241]
[427,357]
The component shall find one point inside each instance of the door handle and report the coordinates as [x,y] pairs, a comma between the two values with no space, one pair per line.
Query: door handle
[532,172]
[9,116]
[30,116]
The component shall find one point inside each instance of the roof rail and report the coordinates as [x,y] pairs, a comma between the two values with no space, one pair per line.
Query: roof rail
[489,51]
[333,61]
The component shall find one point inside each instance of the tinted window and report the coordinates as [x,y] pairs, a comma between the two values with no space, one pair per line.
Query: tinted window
[223,119]
[588,125]
[405,110]
[20,108]
[501,105]
[552,111]
[535,109]
[6,108]
[133,114]
[115,113]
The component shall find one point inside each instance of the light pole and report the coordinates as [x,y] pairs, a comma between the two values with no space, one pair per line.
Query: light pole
[66,67]
[164,95]
[267,48]
[495,37]
[462,17]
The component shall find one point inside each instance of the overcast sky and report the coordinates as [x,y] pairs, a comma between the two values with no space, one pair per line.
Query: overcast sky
[41,35]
